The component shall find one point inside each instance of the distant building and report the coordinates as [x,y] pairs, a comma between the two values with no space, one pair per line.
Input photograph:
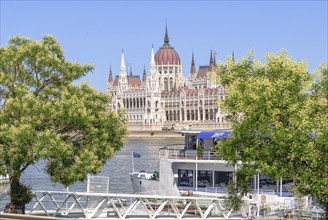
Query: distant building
[164,98]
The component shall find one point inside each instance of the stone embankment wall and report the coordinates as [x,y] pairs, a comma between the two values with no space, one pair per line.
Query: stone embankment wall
[153,134]
[168,129]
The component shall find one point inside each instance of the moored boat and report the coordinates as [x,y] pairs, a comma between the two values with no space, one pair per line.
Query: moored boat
[192,168]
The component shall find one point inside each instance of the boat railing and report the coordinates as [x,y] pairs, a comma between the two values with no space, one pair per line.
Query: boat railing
[218,190]
[178,151]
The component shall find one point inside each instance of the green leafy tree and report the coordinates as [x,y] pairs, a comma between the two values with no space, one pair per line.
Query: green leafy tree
[275,116]
[316,180]
[43,115]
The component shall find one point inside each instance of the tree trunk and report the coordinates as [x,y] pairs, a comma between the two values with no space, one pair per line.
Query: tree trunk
[17,197]
[14,208]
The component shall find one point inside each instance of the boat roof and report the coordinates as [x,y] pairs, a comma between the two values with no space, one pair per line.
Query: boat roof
[220,133]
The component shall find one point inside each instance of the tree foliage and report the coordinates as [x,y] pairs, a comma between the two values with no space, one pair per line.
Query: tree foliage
[279,120]
[43,115]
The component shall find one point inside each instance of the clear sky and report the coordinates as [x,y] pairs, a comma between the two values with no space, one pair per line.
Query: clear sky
[95,32]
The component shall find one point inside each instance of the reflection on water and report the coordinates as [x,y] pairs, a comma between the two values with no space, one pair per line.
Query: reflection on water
[117,168]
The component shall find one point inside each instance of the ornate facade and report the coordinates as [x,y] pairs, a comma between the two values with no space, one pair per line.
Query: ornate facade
[164,97]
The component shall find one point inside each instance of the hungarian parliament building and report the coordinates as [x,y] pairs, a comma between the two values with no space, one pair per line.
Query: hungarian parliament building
[164,99]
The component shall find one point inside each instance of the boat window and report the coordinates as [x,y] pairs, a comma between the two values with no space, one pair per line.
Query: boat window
[191,141]
[221,179]
[204,178]
[185,178]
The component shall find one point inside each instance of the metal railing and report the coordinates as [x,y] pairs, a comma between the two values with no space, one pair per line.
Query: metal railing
[63,204]
[178,152]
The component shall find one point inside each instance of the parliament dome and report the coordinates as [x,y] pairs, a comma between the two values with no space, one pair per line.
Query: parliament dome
[167,55]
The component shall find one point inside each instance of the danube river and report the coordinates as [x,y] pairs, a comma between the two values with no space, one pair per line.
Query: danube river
[117,168]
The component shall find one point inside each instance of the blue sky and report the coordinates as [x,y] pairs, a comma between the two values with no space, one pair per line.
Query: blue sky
[95,32]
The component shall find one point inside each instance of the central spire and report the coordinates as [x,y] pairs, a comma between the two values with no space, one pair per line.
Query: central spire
[166,38]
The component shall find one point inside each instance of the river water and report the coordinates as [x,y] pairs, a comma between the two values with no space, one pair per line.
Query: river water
[117,168]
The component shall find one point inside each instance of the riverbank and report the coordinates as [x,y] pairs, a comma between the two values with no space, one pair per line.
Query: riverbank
[153,134]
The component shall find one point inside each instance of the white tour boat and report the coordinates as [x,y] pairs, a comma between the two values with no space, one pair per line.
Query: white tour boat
[183,171]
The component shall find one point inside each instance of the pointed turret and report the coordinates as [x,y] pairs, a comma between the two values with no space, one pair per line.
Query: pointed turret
[211,62]
[233,56]
[130,70]
[193,68]
[110,77]
[122,60]
[152,57]
[122,68]
[214,59]
[166,37]
[144,77]
[211,57]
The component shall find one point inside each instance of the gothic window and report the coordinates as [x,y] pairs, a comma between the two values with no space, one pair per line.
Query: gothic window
[170,115]
[156,104]
[188,115]
[131,106]
[182,114]
[137,103]
[174,115]
[171,83]
[206,114]
[167,115]
[211,114]
[166,84]
[192,115]
[196,115]
[148,104]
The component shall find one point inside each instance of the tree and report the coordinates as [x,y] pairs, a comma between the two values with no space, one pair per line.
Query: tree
[278,126]
[44,116]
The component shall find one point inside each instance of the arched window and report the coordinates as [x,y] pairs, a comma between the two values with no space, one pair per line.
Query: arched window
[171,83]
[165,84]
[211,114]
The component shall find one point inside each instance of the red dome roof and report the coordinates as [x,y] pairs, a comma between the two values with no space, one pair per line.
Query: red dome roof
[167,55]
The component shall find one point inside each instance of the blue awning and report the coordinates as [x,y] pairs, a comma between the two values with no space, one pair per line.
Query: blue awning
[206,134]
[222,134]
[214,134]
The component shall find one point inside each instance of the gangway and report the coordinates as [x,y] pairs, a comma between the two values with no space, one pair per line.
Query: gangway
[65,204]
